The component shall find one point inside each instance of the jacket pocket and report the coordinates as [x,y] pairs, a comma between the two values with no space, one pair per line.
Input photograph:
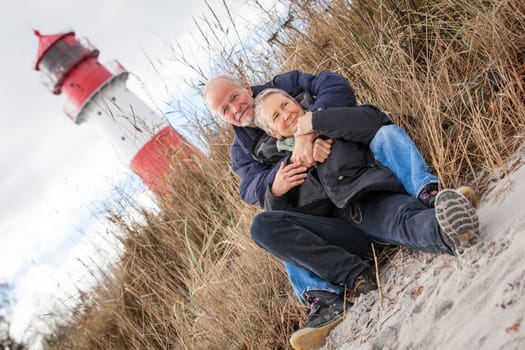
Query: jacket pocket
[349,174]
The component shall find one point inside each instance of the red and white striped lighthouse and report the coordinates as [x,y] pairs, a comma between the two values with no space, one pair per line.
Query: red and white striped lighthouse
[98,94]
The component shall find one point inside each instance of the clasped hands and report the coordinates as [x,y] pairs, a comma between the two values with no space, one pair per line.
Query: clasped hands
[308,150]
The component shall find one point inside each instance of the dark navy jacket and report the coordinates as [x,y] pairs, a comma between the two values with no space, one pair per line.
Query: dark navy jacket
[327,90]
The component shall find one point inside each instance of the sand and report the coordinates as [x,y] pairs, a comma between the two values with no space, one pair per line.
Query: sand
[473,301]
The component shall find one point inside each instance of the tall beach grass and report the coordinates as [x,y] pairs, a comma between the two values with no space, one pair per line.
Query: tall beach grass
[449,71]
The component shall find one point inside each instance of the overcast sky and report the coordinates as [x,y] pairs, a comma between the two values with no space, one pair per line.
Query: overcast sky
[55,173]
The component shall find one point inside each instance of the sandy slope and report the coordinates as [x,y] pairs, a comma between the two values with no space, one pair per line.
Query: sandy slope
[474,301]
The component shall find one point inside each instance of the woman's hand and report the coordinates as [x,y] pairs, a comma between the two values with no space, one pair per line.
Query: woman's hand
[288,177]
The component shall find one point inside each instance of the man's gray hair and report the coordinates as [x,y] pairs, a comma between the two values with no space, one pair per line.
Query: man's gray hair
[259,100]
[226,76]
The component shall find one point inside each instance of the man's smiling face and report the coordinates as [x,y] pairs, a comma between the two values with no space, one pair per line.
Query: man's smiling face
[231,101]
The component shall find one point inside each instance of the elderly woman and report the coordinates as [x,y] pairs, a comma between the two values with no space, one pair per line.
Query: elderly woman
[349,184]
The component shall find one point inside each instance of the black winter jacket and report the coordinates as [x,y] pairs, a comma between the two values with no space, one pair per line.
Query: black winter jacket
[349,173]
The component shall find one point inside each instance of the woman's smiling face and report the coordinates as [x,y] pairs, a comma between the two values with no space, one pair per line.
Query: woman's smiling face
[281,114]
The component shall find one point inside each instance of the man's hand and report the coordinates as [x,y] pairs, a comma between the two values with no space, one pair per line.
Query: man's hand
[322,149]
[304,124]
[288,177]
[303,150]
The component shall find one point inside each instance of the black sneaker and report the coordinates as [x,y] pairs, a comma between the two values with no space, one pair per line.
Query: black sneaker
[428,194]
[364,283]
[326,311]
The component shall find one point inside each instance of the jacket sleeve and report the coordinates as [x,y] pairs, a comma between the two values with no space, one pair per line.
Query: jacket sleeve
[283,202]
[358,124]
[327,88]
[255,176]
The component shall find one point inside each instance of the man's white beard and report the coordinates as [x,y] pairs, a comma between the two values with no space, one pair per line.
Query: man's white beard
[248,121]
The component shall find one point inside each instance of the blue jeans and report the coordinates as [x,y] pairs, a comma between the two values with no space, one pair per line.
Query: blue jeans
[303,281]
[393,148]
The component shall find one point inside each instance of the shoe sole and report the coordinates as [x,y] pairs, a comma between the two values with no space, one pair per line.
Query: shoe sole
[457,219]
[310,338]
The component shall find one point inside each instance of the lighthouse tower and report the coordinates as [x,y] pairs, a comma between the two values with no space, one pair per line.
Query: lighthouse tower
[98,94]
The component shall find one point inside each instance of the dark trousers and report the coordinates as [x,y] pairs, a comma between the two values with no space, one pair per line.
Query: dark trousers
[333,247]
[397,218]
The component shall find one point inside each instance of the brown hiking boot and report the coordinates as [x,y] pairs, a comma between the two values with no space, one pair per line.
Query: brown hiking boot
[469,193]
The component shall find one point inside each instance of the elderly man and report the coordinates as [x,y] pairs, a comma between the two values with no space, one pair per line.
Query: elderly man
[233,101]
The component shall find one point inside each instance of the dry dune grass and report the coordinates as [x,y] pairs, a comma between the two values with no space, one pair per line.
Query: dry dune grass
[427,63]
[189,276]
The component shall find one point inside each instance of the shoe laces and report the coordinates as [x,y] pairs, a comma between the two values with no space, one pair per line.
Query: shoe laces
[429,191]
[315,305]
[427,195]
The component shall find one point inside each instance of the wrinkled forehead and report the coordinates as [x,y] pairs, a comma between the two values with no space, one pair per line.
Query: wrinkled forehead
[269,105]
[275,101]
[219,91]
